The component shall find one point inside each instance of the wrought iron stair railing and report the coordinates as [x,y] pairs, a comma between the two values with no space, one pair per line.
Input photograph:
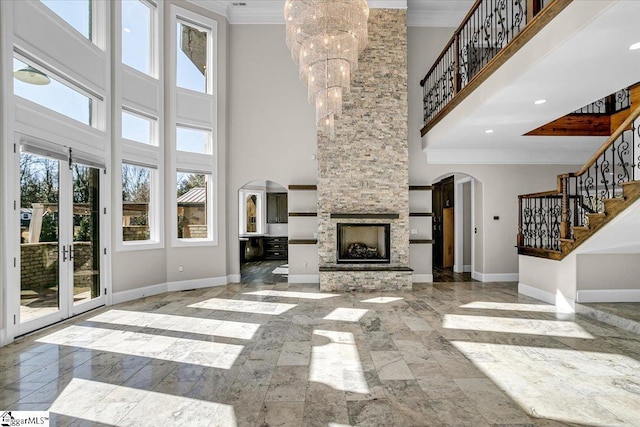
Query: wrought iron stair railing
[488,28]
[547,219]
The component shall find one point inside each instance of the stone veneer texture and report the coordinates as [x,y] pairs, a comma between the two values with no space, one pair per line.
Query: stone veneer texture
[365,169]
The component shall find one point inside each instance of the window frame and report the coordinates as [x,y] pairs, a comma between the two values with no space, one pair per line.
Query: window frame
[186,17]
[153,127]
[96,107]
[154,44]
[210,206]
[151,212]
[181,112]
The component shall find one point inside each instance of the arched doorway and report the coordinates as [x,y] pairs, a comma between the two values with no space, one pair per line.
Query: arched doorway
[263,232]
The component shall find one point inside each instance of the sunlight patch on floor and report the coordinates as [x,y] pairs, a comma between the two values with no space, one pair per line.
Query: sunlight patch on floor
[291,294]
[337,364]
[382,300]
[115,405]
[346,314]
[588,388]
[510,306]
[243,306]
[552,328]
[182,350]
[195,325]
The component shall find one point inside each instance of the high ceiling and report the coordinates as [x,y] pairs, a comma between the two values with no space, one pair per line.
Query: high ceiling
[421,13]
[582,55]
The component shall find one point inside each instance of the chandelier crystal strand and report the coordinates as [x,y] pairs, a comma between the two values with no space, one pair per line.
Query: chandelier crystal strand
[325,38]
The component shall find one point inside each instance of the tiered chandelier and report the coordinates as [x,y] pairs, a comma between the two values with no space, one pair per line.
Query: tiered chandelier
[325,38]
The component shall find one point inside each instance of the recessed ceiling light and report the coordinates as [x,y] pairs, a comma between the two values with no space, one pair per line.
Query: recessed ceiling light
[488,131]
[540,101]
[635,46]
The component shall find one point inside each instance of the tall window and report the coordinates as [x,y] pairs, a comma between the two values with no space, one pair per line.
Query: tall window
[76,13]
[193,205]
[136,202]
[49,92]
[192,57]
[137,35]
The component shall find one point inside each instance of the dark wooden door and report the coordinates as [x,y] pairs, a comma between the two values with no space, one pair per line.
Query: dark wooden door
[436,200]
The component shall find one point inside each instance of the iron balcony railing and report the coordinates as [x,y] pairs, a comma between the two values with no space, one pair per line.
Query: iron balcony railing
[545,218]
[488,28]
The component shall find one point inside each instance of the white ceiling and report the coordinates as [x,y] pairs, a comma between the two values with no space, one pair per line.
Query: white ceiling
[420,13]
[579,57]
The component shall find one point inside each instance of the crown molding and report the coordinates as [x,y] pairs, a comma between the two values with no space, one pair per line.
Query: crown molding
[271,12]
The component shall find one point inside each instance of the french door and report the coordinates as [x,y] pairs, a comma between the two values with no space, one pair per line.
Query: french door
[60,231]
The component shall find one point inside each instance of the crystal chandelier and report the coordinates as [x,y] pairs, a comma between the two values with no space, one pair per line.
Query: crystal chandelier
[325,38]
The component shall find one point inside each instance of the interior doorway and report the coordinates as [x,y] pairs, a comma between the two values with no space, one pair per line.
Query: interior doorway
[263,232]
[453,228]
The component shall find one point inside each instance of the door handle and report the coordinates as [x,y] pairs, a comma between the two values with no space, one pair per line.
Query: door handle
[71,254]
[64,253]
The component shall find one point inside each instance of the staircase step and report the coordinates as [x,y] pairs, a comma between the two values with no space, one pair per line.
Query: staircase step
[581,232]
[631,189]
[613,206]
[596,219]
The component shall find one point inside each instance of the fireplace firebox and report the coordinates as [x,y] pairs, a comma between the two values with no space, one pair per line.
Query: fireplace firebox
[364,243]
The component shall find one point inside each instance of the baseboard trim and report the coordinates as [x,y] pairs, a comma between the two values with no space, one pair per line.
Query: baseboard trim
[502,277]
[3,337]
[304,278]
[183,285]
[462,269]
[234,278]
[608,295]
[563,304]
[133,294]
[422,278]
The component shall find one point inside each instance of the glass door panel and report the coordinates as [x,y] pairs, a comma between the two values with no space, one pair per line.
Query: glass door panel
[86,233]
[39,236]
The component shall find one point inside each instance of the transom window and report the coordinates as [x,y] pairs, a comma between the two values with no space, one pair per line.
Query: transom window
[137,128]
[193,140]
[76,13]
[44,89]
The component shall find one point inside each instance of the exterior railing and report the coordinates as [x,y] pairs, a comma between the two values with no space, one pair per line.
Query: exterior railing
[489,27]
[545,218]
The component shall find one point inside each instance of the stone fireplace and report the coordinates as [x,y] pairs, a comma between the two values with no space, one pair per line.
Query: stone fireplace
[363,174]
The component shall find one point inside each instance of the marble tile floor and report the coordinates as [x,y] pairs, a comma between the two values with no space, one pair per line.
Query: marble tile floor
[462,354]
[261,272]
[625,315]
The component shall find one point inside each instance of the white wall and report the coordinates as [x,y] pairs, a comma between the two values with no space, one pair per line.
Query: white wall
[272,133]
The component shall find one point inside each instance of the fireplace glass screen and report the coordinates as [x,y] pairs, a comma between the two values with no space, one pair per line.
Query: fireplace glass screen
[363,243]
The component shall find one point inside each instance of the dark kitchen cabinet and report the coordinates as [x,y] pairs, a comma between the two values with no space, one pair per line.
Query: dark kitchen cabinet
[276,248]
[277,210]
